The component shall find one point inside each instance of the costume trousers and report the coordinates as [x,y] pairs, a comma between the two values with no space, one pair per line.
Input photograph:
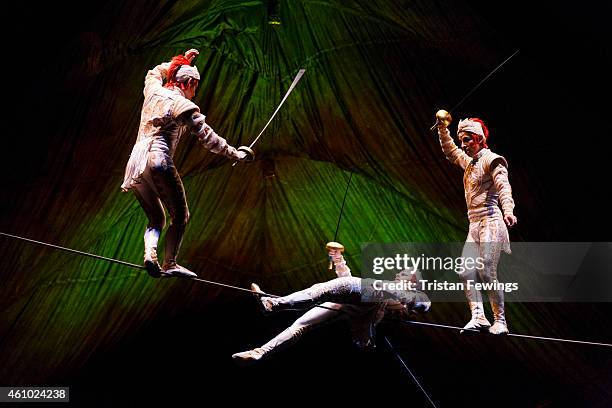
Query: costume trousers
[161,186]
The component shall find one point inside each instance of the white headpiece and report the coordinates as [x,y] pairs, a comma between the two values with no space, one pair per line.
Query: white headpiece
[185,72]
[467,125]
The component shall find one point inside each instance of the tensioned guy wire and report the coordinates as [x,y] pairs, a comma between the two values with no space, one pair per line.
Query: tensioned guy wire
[117,261]
[442,326]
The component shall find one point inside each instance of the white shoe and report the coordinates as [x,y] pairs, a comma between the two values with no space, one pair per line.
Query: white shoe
[479,322]
[150,262]
[499,327]
[176,270]
[248,357]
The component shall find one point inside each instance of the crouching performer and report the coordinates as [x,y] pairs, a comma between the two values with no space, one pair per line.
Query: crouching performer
[339,298]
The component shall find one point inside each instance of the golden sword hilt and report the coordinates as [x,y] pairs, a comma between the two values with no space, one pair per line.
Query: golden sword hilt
[331,246]
[443,117]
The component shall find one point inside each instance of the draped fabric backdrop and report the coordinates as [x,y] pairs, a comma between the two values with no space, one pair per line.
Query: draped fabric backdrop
[376,72]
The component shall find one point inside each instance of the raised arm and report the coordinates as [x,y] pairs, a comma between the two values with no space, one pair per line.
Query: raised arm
[154,79]
[454,154]
[342,269]
[156,76]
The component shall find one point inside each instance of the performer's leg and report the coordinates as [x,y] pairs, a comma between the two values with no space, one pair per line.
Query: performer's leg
[492,234]
[170,188]
[340,290]
[155,213]
[471,251]
[315,317]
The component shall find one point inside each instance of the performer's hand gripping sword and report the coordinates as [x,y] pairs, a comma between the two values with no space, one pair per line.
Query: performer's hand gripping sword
[248,149]
[331,246]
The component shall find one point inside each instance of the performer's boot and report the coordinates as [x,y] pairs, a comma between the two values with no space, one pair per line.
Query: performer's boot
[248,357]
[496,298]
[174,237]
[283,340]
[478,321]
[151,263]
[175,270]
[150,254]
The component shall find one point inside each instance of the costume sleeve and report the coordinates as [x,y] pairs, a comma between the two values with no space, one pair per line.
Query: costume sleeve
[155,78]
[502,184]
[197,125]
[450,149]
[342,268]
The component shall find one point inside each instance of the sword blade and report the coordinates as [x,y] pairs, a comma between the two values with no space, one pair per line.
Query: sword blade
[293,84]
[477,86]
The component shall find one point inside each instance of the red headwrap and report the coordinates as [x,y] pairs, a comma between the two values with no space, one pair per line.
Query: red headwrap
[175,64]
[485,130]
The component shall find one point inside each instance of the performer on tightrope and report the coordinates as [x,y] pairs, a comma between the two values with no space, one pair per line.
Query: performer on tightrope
[340,298]
[486,186]
[167,112]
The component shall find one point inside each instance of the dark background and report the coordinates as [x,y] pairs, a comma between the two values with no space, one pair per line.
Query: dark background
[551,121]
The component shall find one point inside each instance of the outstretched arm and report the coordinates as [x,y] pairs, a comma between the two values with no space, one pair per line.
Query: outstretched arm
[197,125]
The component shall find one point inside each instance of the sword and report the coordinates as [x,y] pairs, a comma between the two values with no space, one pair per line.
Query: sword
[444,115]
[293,84]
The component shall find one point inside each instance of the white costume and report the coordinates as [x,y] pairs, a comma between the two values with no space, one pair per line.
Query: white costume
[343,296]
[486,184]
[150,172]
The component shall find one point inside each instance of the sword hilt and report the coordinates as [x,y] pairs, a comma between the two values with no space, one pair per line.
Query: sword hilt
[331,246]
[443,117]
[249,152]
